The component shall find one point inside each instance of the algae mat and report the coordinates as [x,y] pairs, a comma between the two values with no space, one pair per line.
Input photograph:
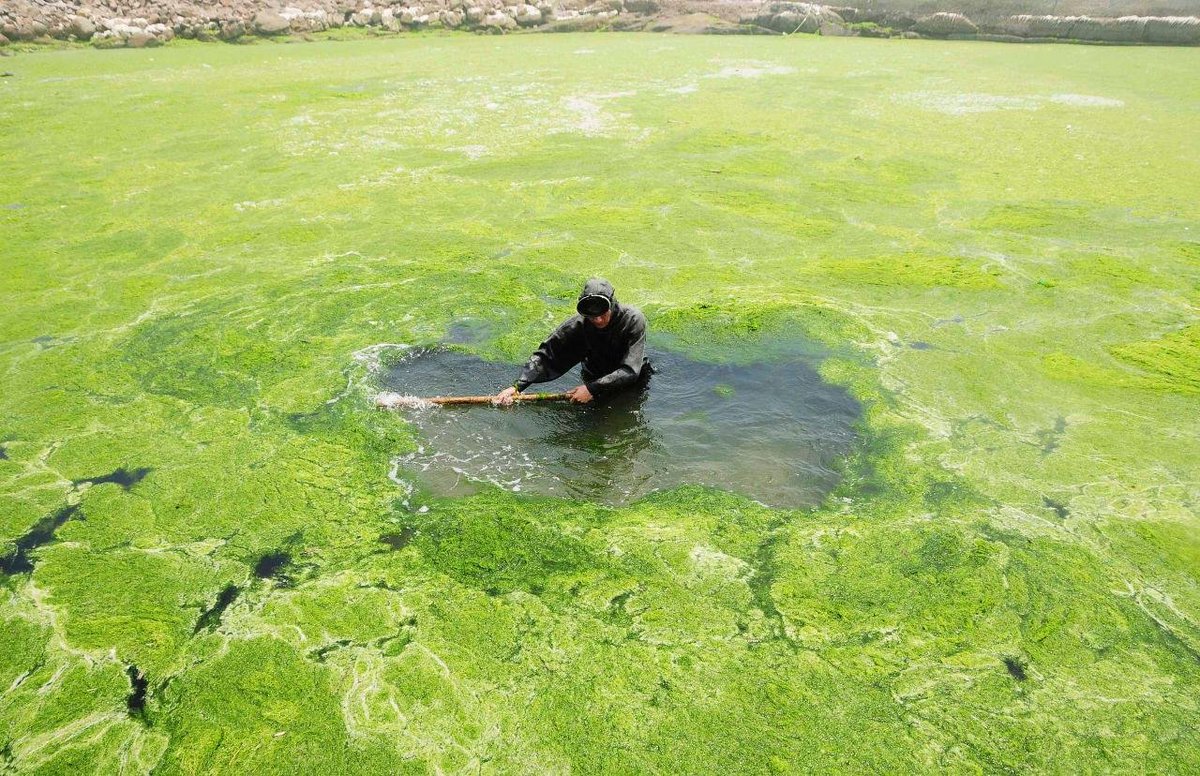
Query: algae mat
[211,253]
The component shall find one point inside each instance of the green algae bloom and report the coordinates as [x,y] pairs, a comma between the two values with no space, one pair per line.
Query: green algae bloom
[211,254]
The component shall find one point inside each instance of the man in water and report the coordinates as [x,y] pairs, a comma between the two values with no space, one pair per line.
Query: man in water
[609,338]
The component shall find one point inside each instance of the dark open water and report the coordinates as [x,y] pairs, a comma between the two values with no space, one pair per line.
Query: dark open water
[769,431]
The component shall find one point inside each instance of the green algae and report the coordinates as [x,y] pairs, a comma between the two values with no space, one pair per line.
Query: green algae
[1173,359]
[271,707]
[909,270]
[212,241]
[1037,218]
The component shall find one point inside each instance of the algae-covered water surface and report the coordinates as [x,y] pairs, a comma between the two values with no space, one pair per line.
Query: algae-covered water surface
[219,557]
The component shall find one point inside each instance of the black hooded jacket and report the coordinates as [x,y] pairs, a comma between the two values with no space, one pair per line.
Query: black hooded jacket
[613,357]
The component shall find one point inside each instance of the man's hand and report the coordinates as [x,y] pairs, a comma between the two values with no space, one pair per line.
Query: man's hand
[579,395]
[505,397]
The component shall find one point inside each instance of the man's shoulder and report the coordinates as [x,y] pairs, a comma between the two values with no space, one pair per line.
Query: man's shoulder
[570,326]
[634,315]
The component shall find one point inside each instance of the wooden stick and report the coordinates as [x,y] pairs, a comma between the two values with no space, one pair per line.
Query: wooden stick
[451,400]
[391,401]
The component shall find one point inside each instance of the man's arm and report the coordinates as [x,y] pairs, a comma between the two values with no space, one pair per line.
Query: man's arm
[553,358]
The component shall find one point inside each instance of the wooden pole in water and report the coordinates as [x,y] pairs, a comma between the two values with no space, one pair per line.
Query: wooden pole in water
[389,401]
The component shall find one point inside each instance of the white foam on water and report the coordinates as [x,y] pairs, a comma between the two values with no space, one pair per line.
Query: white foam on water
[968,103]
[390,400]
[1087,101]
[752,69]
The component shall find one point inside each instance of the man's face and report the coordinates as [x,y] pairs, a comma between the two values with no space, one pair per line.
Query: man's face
[602,320]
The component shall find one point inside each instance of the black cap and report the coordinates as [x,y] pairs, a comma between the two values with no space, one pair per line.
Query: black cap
[593,305]
[596,298]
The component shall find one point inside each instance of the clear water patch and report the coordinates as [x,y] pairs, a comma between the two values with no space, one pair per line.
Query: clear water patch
[122,476]
[19,561]
[210,619]
[772,431]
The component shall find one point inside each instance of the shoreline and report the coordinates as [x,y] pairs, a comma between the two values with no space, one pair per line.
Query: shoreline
[145,25]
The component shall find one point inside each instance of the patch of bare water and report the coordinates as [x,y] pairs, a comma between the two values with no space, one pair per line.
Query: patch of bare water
[772,431]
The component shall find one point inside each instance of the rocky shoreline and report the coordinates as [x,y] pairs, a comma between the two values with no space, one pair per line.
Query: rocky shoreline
[142,23]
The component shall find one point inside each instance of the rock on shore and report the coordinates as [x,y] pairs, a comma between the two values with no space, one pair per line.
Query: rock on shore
[137,23]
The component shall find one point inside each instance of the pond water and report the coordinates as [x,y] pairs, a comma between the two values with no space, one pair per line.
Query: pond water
[771,431]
